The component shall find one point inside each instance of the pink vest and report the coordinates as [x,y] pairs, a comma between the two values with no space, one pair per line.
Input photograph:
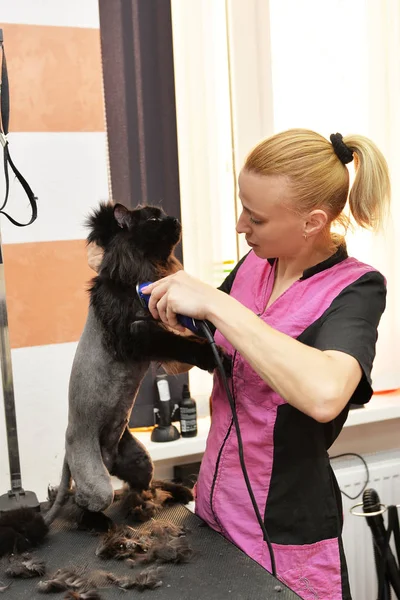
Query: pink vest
[313,571]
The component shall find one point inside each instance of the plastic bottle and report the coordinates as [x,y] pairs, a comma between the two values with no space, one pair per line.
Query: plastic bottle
[188,414]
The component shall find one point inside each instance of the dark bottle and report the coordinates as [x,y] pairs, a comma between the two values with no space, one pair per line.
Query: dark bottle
[188,412]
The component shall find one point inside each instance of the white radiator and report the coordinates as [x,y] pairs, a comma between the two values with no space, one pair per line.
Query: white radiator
[384,470]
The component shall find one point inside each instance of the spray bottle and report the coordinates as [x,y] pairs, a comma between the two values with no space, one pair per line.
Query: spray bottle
[165,431]
[188,414]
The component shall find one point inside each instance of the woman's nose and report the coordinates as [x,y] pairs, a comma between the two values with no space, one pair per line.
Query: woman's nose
[242,226]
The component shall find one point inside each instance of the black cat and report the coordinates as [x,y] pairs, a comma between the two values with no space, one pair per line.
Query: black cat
[119,341]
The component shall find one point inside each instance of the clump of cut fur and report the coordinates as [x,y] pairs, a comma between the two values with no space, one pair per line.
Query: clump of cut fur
[162,542]
[143,506]
[82,584]
[63,580]
[146,580]
[161,528]
[173,550]
[123,542]
[26,567]
[20,530]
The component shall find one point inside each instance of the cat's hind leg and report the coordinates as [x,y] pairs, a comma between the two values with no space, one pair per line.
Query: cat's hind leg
[133,463]
[94,490]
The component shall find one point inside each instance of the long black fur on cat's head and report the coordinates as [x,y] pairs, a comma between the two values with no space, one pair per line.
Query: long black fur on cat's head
[147,229]
[133,238]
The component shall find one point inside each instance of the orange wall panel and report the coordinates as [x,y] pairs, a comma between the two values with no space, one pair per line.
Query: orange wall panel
[55,78]
[46,285]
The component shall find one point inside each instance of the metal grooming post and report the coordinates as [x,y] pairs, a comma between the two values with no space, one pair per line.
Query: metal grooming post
[16,497]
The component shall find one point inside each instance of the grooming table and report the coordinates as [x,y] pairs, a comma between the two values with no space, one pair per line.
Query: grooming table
[217,571]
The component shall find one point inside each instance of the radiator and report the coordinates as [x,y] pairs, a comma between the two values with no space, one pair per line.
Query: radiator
[384,471]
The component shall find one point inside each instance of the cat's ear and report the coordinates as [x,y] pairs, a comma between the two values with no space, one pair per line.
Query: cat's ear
[122,215]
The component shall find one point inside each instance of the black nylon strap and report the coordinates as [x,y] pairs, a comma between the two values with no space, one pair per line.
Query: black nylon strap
[387,568]
[394,517]
[5,121]
[5,90]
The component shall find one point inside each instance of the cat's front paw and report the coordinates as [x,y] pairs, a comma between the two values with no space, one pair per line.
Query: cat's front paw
[226,361]
[206,359]
[96,522]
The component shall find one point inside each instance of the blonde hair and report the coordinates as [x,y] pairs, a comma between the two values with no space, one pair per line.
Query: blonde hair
[319,179]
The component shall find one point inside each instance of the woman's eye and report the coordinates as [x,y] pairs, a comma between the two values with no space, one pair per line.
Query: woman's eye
[254,221]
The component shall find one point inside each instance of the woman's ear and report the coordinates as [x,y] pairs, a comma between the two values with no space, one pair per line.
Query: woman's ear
[316,222]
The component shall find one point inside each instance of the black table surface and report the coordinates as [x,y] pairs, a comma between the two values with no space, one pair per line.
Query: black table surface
[217,571]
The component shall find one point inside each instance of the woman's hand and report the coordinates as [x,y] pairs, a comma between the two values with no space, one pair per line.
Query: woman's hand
[94,256]
[180,294]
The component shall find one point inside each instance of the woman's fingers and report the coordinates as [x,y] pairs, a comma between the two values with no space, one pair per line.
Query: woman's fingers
[162,310]
[165,312]
[177,294]
[156,294]
[152,286]
[172,320]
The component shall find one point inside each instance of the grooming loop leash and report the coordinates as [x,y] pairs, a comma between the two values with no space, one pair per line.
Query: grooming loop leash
[381,511]
[387,563]
[5,121]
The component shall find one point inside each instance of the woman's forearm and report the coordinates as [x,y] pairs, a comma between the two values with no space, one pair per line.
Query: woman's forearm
[308,379]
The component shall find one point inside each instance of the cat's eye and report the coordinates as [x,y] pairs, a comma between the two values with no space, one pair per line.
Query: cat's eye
[153,219]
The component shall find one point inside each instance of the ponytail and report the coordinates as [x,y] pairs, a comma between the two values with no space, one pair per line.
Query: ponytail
[369,197]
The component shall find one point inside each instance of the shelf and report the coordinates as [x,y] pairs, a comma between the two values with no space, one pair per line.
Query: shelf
[182,447]
[382,407]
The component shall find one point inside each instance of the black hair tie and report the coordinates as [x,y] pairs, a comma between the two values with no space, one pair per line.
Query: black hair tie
[342,151]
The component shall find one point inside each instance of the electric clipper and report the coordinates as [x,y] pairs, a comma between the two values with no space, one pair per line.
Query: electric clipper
[193,324]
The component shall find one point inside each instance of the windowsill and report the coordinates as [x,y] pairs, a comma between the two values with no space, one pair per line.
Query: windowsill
[182,447]
[382,407]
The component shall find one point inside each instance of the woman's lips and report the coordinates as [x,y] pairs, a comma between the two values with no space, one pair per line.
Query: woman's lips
[251,244]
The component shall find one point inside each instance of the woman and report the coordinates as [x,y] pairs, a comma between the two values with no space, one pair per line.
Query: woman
[299,318]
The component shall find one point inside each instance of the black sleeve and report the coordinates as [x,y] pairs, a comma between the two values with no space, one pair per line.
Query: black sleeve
[226,285]
[350,325]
